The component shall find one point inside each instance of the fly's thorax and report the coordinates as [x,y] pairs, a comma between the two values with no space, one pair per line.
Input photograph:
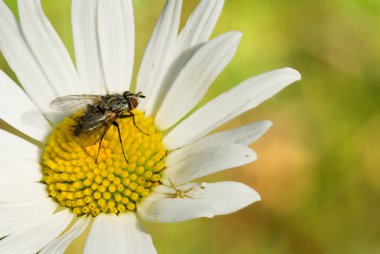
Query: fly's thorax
[114,103]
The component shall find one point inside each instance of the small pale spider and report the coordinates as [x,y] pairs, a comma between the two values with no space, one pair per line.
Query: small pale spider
[179,193]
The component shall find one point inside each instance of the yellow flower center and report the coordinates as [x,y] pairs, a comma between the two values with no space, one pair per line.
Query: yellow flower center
[110,185]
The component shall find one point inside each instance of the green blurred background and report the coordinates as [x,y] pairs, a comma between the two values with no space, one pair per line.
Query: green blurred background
[318,170]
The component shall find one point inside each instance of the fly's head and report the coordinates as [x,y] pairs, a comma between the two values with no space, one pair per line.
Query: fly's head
[132,99]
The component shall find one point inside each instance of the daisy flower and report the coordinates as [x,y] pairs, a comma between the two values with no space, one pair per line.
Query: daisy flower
[52,189]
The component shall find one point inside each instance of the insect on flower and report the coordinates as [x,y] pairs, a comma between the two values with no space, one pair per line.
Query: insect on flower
[97,114]
[179,193]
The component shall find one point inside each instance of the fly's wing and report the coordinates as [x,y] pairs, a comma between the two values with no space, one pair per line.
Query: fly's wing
[73,103]
[95,126]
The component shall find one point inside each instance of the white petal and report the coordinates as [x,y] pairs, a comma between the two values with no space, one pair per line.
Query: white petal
[87,52]
[18,169]
[195,33]
[161,208]
[118,234]
[225,197]
[33,239]
[19,111]
[59,245]
[158,55]
[242,135]
[22,61]
[137,240]
[15,169]
[19,159]
[16,147]
[202,200]
[207,162]
[195,78]
[200,24]
[230,104]
[18,216]
[117,42]
[107,235]
[18,192]
[48,49]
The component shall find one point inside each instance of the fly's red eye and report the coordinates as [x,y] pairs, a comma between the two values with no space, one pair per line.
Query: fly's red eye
[134,102]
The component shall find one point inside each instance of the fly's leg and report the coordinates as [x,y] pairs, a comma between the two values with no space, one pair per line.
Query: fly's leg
[121,141]
[75,119]
[100,144]
[133,119]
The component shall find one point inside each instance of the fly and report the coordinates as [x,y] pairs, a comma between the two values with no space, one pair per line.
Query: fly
[99,113]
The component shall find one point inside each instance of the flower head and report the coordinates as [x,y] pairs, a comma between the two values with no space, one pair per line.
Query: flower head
[141,166]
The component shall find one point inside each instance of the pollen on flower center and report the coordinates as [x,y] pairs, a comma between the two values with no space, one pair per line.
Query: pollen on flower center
[111,185]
